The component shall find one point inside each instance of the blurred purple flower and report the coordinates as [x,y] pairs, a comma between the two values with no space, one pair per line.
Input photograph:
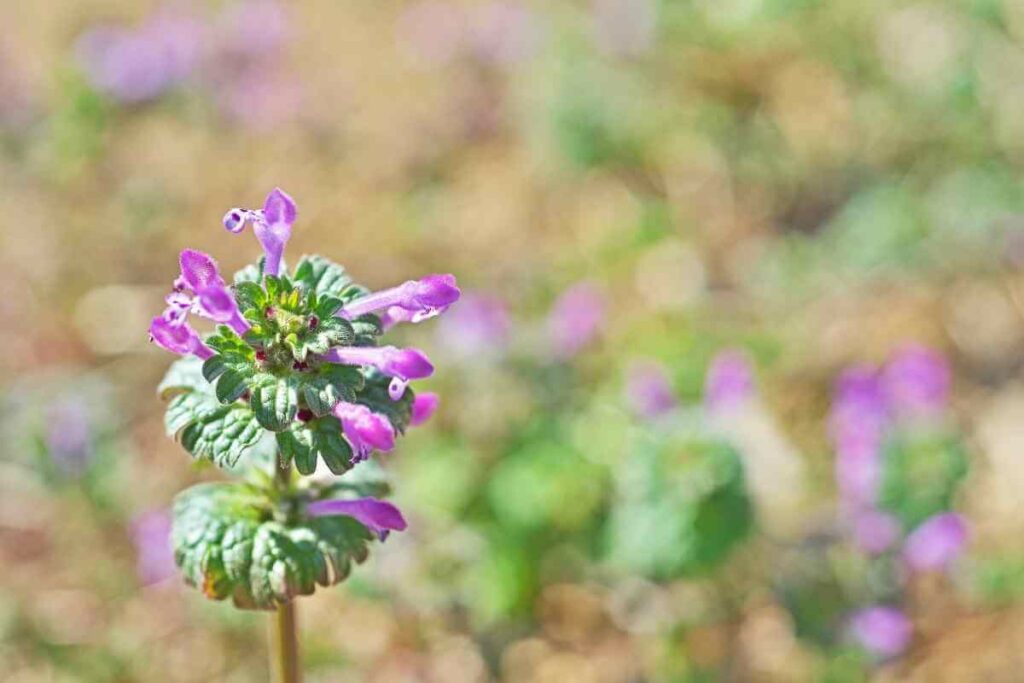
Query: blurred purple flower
[576,318]
[859,412]
[857,477]
[151,533]
[378,516]
[649,390]
[503,33]
[729,381]
[883,631]
[433,32]
[133,65]
[252,29]
[625,27]
[874,532]
[478,328]
[423,407]
[69,436]
[916,381]
[936,543]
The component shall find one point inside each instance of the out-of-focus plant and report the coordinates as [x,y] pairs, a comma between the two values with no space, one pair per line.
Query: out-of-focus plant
[293,376]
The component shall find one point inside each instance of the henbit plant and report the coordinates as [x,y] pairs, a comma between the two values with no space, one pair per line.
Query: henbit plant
[293,375]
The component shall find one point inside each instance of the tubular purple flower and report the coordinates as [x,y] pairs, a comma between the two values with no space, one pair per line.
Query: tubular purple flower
[424,298]
[649,390]
[364,429]
[201,290]
[423,407]
[729,381]
[379,516]
[936,543]
[916,381]
[177,337]
[272,225]
[883,631]
[404,364]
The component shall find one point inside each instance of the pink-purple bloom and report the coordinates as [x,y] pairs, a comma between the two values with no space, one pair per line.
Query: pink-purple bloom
[649,390]
[151,534]
[177,337]
[402,365]
[379,516]
[478,328]
[364,429]
[201,290]
[423,407]
[272,225]
[883,631]
[423,298]
[936,543]
[137,64]
[729,381]
[916,381]
[874,531]
[576,318]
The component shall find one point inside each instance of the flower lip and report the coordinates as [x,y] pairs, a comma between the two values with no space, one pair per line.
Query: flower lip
[379,516]
[199,270]
[177,337]
[364,429]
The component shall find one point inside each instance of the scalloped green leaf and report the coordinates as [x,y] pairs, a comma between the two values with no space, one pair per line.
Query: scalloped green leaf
[250,296]
[321,438]
[227,544]
[322,276]
[330,384]
[274,401]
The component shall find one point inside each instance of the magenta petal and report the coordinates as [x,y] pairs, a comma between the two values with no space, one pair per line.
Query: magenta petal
[364,429]
[729,382]
[378,516]
[936,543]
[177,337]
[279,207]
[883,631]
[917,381]
[436,291]
[410,363]
[423,407]
[199,270]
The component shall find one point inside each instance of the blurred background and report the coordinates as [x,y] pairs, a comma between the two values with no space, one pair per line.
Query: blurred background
[734,391]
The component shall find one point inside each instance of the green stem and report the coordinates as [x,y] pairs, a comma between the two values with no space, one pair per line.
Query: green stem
[284,657]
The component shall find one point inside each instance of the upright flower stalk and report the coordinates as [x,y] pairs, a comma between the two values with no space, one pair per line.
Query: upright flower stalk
[294,354]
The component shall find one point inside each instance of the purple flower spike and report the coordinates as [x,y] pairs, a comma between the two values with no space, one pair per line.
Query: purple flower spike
[649,391]
[272,226]
[378,516]
[477,329]
[936,543]
[576,318]
[874,532]
[916,381]
[729,382]
[364,429]
[151,534]
[423,407]
[424,298]
[405,364]
[883,631]
[177,337]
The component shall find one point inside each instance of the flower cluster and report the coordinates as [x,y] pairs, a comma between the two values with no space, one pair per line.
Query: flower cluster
[897,468]
[297,355]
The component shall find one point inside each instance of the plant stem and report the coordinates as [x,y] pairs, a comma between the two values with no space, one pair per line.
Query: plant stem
[284,650]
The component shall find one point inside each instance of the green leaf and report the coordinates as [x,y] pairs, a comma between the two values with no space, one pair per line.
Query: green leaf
[232,368]
[250,296]
[251,273]
[374,395]
[322,277]
[274,401]
[320,438]
[228,544]
[331,383]
[184,375]
[210,430]
[326,306]
[366,328]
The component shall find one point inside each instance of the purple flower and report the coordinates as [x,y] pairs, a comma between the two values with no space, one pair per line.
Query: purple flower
[424,298]
[936,543]
[502,33]
[272,225]
[858,476]
[364,429]
[151,533]
[254,28]
[729,381]
[625,27]
[874,532]
[378,516]
[859,412]
[141,63]
[69,436]
[649,390]
[916,381]
[201,290]
[177,337]
[423,407]
[403,365]
[883,631]
[576,318]
[478,328]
